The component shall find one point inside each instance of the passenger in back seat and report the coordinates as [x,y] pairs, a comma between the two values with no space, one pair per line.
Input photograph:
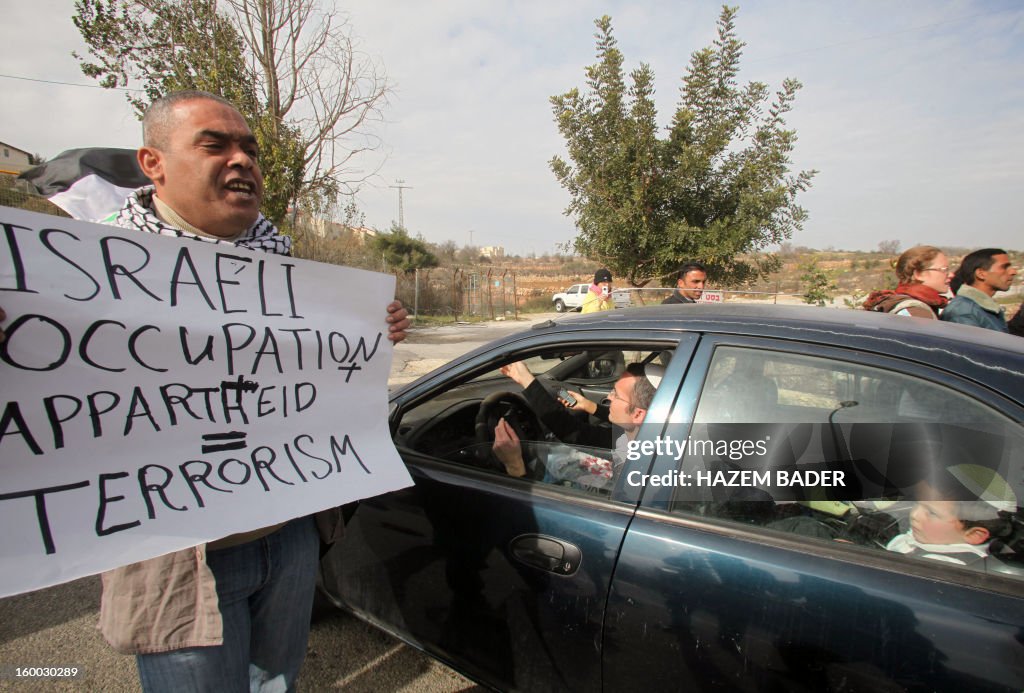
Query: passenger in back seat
[956,516]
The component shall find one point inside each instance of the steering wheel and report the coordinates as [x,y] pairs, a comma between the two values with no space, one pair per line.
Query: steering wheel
[513,408]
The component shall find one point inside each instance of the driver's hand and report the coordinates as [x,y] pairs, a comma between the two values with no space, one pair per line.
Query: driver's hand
[519,373]
[506,448]
[582,403]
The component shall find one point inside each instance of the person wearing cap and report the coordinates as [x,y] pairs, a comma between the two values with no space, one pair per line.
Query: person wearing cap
[626,408]
[600,295]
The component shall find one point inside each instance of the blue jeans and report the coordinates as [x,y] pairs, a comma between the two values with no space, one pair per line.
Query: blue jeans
[265,593]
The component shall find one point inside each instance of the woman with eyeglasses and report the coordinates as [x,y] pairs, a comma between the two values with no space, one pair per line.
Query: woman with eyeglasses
[923,274]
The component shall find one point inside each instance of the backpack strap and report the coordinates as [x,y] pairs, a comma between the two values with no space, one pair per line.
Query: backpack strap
[903,304]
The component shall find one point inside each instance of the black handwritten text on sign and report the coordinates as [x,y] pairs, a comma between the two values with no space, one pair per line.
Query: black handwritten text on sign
[157,386]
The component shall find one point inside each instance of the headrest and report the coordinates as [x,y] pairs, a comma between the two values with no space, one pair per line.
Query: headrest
[654,373]
[986,485]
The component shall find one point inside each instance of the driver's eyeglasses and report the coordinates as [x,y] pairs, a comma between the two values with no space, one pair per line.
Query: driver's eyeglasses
[612,394]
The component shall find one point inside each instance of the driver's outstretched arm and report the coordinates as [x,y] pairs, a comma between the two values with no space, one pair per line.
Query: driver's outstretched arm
[518,371]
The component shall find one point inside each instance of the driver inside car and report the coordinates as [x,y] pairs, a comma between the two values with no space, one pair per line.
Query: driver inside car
[628,402]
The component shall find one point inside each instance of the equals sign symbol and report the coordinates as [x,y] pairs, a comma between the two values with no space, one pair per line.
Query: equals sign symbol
[233,440]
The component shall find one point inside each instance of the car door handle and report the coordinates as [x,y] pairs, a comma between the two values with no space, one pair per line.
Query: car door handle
[539,551]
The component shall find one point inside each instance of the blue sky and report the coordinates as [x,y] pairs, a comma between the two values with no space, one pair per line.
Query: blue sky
[913,112]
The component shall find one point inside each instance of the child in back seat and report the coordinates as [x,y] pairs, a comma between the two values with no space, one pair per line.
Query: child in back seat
[956,516]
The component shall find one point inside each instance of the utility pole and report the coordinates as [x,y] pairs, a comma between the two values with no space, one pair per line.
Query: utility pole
[401,209]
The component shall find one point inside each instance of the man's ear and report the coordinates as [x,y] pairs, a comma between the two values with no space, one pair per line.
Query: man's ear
[638,415]
[151,161]
[980,275]
[976,535]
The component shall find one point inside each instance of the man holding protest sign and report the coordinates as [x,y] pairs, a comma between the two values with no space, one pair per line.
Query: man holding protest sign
[233,613]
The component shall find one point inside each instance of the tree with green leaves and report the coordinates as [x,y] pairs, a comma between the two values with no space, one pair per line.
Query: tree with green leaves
[402,252]
[819,283]
[717,189]
[164,46]
[292,70]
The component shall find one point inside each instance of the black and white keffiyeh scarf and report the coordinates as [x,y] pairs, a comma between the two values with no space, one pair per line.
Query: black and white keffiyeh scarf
[137,213]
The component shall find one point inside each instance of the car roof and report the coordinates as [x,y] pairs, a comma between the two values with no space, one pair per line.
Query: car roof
[990,358]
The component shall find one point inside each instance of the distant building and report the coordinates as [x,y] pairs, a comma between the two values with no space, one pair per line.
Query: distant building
[14,160]
[493,251]
[329,230]
[364,234]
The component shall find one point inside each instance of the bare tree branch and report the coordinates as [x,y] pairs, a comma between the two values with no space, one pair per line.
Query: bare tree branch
[314,78]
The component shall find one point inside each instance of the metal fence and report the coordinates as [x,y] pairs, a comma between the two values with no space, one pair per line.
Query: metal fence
[460,292]
[18,194]
[447,292]
[654,295]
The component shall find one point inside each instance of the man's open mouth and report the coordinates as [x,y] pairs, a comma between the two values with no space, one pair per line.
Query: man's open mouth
[241,186]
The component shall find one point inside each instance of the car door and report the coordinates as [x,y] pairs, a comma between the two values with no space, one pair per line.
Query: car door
[503,578]
[736,584]
[574,297]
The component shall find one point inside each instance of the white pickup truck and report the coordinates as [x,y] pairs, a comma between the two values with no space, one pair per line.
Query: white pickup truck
[572,298]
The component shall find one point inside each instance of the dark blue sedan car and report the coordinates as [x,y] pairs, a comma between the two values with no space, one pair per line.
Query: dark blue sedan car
[813,500]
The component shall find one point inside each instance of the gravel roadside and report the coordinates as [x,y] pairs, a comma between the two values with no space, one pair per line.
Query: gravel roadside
[56,627]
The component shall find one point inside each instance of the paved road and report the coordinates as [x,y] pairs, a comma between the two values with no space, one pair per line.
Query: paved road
[57,626]
[429,348]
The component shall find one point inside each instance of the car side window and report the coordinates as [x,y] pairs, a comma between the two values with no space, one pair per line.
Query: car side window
[843,452]
[575,449]
[751,385]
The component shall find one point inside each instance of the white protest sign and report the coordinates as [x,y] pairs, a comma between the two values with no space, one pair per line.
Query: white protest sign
[160,392]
